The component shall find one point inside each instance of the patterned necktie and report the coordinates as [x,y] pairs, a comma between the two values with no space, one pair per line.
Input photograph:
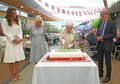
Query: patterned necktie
[102,29]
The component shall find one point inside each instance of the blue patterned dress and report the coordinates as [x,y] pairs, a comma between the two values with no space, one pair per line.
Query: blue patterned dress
[38,43]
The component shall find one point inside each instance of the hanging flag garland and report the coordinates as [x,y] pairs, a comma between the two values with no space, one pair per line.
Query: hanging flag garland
[46,4]
[68,12]
[74,13]
[58,10]
[63,11]
[52,7]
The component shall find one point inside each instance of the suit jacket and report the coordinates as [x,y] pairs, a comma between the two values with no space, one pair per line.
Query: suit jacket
[109,33]
[92,39]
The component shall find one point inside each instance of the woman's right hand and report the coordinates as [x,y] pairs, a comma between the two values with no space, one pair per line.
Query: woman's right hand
[16,41]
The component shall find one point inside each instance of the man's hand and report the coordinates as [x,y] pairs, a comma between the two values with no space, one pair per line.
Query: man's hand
[99,38]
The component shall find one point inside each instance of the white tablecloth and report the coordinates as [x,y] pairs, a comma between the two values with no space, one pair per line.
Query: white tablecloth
[65,73]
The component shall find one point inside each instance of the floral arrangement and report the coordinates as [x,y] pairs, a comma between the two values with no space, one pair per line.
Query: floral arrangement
[81,44]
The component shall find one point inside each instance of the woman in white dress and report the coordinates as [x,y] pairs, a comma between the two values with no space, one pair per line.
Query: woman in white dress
[14,48]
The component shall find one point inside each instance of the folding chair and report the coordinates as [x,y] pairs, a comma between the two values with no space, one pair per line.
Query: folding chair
[116,50]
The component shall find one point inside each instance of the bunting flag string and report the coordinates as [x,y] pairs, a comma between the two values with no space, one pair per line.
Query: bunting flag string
[64,11]
[73,13]
[77,13]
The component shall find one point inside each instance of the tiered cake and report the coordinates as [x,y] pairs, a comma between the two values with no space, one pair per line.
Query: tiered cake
[65,54]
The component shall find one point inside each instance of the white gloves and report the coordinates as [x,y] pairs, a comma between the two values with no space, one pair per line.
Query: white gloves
[70,45]
[63,41]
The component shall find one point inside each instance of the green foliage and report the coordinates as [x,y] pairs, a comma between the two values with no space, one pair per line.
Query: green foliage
[95,23]
[24,26]
[25,31]
[50,28]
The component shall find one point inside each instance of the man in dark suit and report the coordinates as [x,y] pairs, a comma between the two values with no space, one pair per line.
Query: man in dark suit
[93,42]
[106,31]
[92,38]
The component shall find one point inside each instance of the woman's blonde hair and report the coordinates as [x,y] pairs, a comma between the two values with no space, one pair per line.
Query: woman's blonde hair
[38,18]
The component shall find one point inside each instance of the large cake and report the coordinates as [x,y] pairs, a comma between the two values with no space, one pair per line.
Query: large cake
[66,54]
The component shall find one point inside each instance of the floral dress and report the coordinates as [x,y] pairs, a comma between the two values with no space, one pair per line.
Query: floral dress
[70,38]
[38,43]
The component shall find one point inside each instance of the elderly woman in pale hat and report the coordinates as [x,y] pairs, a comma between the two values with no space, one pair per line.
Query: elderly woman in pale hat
[38,41]
[68,37]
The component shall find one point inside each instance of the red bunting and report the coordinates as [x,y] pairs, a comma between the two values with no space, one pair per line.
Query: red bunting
[72,12]
[88,12]
[52,7]
[79,13]
[95,11]
[63,11]
[68,12]
[84,12]
[46,4]
[40,0]
[42,11]
[76,13]
[58,10]
[99,10]
[91,12]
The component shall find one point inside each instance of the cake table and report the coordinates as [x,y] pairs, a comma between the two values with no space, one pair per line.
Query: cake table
[65,72]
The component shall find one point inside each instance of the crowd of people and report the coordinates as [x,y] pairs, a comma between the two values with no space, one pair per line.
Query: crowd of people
[104,38]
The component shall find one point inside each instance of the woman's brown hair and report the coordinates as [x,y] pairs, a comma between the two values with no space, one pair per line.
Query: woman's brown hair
[9,15]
